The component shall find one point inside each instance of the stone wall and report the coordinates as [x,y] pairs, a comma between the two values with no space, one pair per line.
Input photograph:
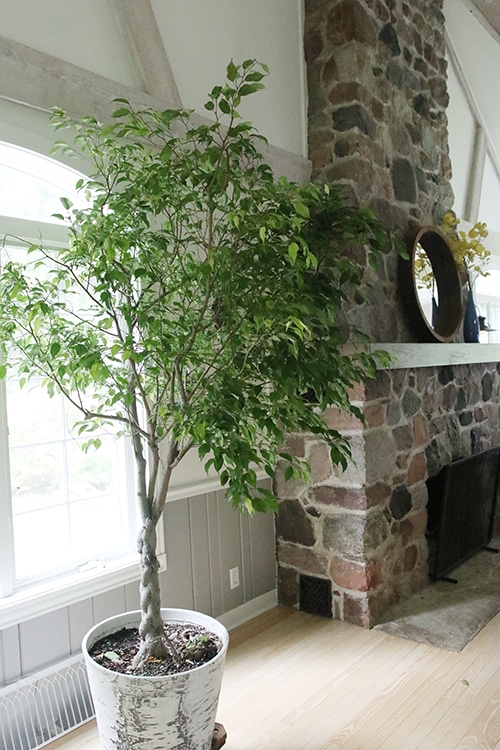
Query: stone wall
[364,529]
[378,126]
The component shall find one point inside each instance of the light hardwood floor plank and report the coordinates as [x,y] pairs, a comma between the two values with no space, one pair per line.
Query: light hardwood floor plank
[298,682]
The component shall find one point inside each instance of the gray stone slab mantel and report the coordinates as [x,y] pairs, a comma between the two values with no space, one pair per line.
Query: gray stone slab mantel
[430,355]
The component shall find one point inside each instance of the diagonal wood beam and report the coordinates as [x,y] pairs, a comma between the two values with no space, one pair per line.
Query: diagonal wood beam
[487,13]
[38,81]
[138,26]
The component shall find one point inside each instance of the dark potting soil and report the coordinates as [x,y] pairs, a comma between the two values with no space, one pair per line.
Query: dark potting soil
[194,645]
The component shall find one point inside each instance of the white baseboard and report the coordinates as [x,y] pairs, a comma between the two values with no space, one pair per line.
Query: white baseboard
[249,610]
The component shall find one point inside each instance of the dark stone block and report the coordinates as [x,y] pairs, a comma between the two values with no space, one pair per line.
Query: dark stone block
[293,524]
[433,458]
[465,418]
[393,413]
[410,403]
[389,37]
[487,386]
[350,22]
[313,46]
[421,105]
[446,374]
[421,66]
[403,180]
[401,502]
[461,402]
[354,116]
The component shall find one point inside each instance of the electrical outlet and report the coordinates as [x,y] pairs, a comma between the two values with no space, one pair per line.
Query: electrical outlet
[234,577]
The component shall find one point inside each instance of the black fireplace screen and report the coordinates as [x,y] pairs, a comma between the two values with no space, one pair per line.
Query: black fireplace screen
[462,500]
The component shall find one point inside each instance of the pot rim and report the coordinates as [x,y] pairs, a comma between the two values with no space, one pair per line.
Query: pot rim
[168,613]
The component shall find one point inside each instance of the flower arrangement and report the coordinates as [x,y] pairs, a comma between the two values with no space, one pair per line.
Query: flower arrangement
[467,249]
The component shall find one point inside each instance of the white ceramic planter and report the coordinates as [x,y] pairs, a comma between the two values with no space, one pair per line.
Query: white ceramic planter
[175,712]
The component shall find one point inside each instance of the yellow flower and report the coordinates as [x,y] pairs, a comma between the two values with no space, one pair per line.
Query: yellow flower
[468,251]
[450,220]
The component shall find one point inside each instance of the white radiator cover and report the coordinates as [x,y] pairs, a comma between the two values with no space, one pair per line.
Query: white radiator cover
[44,706]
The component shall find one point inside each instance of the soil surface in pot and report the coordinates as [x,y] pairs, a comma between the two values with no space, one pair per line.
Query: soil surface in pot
[191,646]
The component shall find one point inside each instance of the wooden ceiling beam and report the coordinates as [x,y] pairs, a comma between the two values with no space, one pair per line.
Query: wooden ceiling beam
[138,26]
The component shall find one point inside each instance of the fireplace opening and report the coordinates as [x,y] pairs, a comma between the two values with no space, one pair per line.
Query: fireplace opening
[315,596]
[461,510]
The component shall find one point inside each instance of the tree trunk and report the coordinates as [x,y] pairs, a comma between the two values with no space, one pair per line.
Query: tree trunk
[153,639]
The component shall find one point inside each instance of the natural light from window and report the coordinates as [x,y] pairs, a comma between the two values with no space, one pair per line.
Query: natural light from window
[31,185]
[68,509]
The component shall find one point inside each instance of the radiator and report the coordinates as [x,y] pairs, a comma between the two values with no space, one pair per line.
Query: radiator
[44,706]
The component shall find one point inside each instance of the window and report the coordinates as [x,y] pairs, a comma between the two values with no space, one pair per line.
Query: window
[57,503]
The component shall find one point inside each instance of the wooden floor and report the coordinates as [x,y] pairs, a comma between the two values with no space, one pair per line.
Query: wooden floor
[297,682]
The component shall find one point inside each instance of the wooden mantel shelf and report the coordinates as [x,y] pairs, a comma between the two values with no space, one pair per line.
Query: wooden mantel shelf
[430,355]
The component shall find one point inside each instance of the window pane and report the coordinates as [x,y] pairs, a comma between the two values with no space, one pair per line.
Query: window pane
[69,506]
[41,541]
[31,185]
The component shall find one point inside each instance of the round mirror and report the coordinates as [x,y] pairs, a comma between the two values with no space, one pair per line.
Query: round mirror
[432,290]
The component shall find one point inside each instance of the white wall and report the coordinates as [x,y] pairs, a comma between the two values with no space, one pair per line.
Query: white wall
[479,57]
[82,32]
[461,130]
[200,38]
[474,129]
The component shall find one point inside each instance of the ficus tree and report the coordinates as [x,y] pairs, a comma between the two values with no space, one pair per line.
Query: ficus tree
[197,304]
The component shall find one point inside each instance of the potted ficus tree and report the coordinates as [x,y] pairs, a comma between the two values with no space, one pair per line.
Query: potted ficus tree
[197,304]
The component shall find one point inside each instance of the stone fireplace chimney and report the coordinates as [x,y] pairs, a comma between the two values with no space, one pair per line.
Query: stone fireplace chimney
[353,543]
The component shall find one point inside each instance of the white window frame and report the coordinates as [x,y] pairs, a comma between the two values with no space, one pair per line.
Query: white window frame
[188,480]
[66,589]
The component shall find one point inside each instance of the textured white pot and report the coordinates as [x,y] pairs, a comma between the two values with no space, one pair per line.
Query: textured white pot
[175,712]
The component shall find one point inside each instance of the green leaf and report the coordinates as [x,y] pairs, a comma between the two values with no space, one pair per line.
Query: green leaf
[293,249]
[232,71]
[199,292]
[3,371]
[254,76]
[302,209]
[113,656]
